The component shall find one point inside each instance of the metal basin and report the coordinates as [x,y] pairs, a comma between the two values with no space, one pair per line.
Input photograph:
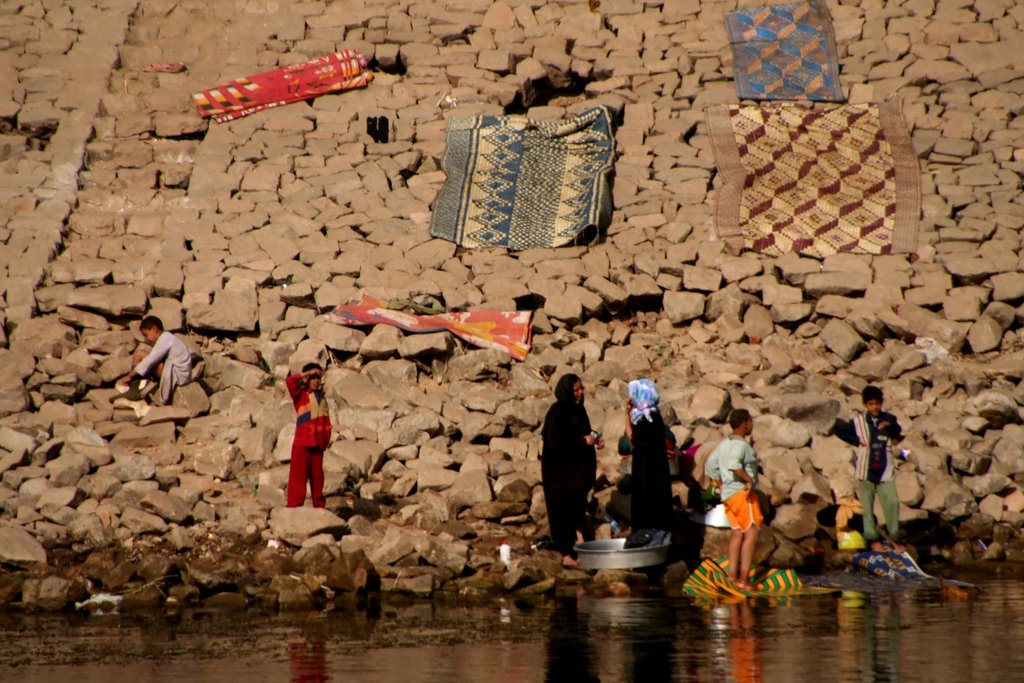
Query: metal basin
[612,554]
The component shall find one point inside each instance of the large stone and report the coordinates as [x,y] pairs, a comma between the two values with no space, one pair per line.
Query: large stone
[51,593]
[795,522]
[426,345]
[294,525]
[358,456]
[470,488]
[986,334]
[15,441]
[452,557]
[68,469]
[998,409]
[87,442]
[812,487]
[946,497]
[215,459]
[222,373]
[987,484]
[711,403]
[841,284]
[113,300]
[141,522]
[166,505]
[189,401]
[131,467]
[817,413]
[683,306]
[334,336]
[921,322]
[1008,287]
[18,547]
[474,366]
[434,477]
[397,544]
[230,311]
[841,339]
[382,342]
[42,337]
[779,431]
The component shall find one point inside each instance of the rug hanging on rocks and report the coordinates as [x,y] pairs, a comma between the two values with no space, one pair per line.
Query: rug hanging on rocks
[519,184]
[510,332]
[817,181]
[785,52]
[331,73]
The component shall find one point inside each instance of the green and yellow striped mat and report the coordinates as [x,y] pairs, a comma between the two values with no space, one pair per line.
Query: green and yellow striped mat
[711,580]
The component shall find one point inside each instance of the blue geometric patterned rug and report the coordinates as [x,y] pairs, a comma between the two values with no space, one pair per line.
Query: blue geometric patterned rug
[520,184]
[785,52]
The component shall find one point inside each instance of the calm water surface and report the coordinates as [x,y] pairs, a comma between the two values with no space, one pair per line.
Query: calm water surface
[884,636]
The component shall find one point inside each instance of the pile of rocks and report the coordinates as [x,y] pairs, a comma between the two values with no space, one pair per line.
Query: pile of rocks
[117,200]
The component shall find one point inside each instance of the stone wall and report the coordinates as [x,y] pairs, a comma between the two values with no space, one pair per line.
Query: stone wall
[117,200]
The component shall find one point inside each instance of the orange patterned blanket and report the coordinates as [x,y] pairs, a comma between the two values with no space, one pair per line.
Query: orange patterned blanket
[511,331]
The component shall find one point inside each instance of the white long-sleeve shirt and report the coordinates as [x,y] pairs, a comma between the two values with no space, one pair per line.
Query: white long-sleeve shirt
[177,364]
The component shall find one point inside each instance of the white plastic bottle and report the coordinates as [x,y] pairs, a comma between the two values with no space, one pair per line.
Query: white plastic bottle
[505,553]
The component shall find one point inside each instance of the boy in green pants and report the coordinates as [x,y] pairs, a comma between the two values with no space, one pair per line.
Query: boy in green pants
[874,432]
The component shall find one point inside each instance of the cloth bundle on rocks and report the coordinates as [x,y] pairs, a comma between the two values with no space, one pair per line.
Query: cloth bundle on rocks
[520,184]
[817,181]
[891,565]
[510,331]
[335,72]
[785,52]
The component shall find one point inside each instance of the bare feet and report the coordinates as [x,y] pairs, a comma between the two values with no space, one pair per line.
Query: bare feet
[569,562]
[745,586]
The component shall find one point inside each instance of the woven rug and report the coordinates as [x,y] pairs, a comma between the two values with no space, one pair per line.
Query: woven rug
[331,73]
[817,181]
[511,332]
[785,52]
[519,184]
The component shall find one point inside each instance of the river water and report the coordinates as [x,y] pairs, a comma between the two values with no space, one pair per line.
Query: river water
[907,636]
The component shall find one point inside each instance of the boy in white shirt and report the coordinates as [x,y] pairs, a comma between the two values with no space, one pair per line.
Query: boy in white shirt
[169,361]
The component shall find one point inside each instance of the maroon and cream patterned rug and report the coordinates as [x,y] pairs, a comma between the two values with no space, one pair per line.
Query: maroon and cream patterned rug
[815,180]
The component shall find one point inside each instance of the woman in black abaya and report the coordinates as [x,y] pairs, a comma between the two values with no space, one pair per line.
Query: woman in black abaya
[652,489]
[568,466]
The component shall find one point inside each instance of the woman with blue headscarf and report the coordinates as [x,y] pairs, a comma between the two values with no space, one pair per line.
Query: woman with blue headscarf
[651,497]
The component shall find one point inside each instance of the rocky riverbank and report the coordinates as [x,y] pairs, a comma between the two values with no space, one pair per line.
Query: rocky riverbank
[116,200]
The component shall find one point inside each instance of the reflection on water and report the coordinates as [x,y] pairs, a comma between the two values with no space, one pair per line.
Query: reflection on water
[889,636]
[738,651]
[308,661]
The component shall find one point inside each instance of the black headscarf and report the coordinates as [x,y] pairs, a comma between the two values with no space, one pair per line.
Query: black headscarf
[568,465]
[570,407]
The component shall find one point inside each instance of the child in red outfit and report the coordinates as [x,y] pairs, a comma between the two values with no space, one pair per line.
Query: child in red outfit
[312,436]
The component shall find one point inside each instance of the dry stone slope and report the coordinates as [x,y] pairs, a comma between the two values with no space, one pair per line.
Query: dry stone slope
[116,200]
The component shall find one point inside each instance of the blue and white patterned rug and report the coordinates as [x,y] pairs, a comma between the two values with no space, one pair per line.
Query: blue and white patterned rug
[520,184]
[785,52]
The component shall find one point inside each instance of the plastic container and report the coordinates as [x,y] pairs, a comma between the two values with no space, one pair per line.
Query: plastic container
[505,553]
